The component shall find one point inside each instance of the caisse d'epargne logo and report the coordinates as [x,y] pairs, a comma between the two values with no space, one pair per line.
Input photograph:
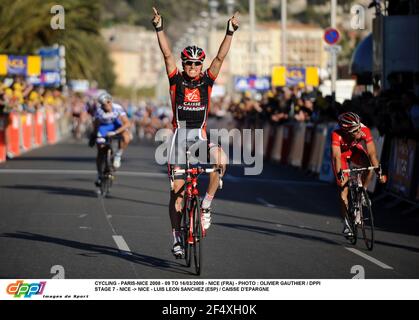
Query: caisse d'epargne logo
[21,289]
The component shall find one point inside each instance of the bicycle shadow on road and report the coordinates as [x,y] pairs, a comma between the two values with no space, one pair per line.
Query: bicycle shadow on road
[137,258]
[274,232]
[67,191]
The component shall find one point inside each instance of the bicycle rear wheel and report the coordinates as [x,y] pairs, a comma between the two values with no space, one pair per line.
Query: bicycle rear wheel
[107,176]
[197,236]
[185,232]
[367,221]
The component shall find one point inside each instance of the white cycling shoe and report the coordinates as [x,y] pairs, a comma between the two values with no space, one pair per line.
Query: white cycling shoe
[117,162]
[206,218]
[178,251]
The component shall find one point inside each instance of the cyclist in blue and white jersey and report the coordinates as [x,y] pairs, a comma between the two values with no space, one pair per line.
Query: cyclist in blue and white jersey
[110,120]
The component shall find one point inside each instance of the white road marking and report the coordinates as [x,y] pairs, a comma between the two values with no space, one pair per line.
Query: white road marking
[265,203]
[85,228]
[369,258]
[82,215]
[122,245]
[81,172]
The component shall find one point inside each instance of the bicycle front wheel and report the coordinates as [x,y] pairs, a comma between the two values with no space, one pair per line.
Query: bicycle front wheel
[197,236]
[105,186]
[352,224]
[185,234]
[367,222]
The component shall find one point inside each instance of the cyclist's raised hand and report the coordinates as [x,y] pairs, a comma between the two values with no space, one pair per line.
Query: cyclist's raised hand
[157,20]
[233,23]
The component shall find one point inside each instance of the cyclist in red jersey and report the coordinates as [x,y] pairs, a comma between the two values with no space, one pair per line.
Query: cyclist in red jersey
[352,141]
[190,93]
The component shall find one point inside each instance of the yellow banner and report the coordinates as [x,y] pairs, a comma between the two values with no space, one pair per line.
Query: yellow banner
[295,76]
[3,64]
[279,76]
[34,66]
[312,76]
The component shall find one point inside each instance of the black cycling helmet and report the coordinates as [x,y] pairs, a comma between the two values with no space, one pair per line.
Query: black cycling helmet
[192,53]
[349,121]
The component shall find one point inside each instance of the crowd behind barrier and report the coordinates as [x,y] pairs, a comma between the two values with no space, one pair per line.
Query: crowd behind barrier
[31,117]
[298,123]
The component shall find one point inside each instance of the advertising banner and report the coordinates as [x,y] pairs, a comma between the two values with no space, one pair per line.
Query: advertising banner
[20,65]
[242,84]
[295,76]
[326,169]
[379,143]
[401,165]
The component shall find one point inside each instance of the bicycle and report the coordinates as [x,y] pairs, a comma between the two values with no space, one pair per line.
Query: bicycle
[192,230]
[108,171]
[360,212]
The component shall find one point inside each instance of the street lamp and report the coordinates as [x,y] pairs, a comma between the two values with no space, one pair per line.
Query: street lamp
[284,32]
[230,7]
[213,4]
[252,66]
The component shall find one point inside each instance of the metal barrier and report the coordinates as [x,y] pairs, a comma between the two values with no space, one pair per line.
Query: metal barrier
[277,146]
[308,145]
[326,169]
[20,132]
[287,137]
[3,149]
[316,154]
[295,157]
[13,135]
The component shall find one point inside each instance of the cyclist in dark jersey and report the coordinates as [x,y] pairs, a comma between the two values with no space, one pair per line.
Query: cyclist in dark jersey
[190,92]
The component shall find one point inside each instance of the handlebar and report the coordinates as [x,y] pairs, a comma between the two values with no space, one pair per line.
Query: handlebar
[197,170]
[360,169]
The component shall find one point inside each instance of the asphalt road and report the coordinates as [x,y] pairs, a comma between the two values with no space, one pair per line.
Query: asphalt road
[281,224]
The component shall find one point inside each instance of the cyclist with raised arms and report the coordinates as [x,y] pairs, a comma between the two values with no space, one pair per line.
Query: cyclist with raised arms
[190,92]
[110,120]
[347,144]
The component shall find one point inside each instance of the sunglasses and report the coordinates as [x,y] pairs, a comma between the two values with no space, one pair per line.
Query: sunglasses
[355,132]
[197,63]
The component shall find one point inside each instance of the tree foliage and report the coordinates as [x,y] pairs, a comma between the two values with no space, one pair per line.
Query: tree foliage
[25,27]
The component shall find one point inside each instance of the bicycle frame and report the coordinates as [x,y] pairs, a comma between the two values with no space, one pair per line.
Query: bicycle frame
[193,233]
[359,206]
[191,189]
[107,174]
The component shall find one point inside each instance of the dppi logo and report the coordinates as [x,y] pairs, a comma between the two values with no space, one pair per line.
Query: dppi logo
[27,290]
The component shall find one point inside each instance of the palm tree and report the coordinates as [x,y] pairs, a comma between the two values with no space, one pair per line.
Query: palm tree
[25,26]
